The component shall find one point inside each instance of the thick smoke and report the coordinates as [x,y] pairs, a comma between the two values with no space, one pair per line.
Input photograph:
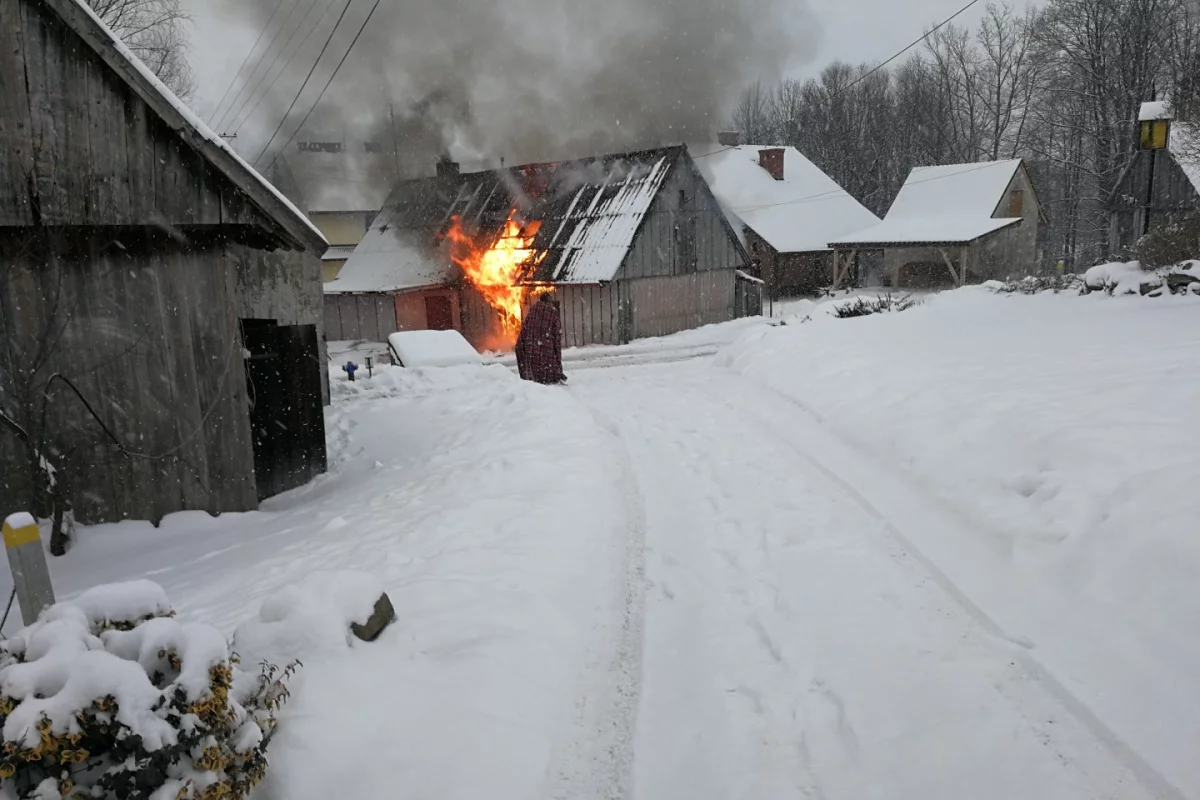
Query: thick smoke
[534,80]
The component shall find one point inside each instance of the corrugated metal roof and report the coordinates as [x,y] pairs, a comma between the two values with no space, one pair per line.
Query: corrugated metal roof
[589,210]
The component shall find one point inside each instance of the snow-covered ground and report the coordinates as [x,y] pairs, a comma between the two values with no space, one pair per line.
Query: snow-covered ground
[942,553]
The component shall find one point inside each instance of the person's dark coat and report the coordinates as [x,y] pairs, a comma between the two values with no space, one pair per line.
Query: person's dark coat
[539,345]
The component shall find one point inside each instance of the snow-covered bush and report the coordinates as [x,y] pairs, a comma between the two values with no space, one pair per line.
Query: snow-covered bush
[1035,284]
[1130,278]
[880,304]
[110,696]
[1170,244]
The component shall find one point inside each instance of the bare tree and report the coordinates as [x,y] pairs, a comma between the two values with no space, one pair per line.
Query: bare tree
[155,30]
[752,115]
[1008,78]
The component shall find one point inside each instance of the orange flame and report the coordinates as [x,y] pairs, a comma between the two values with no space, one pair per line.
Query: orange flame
[496,271]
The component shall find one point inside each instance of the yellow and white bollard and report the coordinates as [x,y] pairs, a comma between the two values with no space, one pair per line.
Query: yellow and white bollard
[27,560]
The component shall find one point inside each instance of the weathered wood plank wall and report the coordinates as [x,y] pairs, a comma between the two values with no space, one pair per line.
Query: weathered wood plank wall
[283,285]
[90,149]
[669,304]
[685,231]
[149,335]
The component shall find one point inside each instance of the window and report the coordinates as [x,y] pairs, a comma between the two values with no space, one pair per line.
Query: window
[1016,203]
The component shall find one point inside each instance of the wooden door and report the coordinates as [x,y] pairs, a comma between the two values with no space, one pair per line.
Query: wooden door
[439,314]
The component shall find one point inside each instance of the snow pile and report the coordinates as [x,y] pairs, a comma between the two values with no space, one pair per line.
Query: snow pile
[109,691]
[417,383]
[1122,278]
[311,616]
[1061,432]
[432,349]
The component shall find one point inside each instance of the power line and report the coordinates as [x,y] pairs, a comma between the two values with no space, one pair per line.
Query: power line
[346,55]
[245,61]
[276,38]
[308,77]
[916,42]
[240,119]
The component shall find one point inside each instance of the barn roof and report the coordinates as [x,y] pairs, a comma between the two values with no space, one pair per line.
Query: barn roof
[798,214]
[590,210]
[82,20]
[1184,146]
[950,204]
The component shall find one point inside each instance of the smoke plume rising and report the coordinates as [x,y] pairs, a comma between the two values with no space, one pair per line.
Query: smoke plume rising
[530,80]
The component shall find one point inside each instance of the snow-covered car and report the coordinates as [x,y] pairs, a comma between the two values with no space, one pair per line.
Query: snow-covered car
[432,349]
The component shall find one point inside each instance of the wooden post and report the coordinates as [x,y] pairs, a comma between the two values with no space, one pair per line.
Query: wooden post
[27,560]
[837,257]
[962,265]
[949,265]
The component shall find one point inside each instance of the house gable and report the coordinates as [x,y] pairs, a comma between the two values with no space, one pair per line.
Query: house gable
[684,230]
[93,139]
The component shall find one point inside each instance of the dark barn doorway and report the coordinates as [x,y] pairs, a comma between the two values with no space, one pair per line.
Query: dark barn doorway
[283,376]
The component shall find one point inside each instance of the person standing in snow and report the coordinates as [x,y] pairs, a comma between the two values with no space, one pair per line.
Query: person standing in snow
[539,345]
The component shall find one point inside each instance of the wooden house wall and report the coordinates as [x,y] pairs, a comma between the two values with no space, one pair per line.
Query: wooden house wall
[1153,193]
[79,147]
[593,314]
[359,317]
[684,231]
[150,337]
[283,285]
[668,304]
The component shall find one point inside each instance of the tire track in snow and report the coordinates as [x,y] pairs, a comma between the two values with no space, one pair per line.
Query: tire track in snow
[1150,777]
[596,760]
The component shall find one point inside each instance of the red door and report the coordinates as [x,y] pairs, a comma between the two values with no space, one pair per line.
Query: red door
[438,314]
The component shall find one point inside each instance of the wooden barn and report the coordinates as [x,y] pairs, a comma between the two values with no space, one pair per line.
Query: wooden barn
[1161,185]
[160,302]
[786,209]
[633,244]
[949,226]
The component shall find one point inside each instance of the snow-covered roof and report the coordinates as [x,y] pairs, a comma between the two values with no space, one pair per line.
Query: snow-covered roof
[391,259]
[1184,146]
[798,214]
[80,17]
[1155,110]
[951,204]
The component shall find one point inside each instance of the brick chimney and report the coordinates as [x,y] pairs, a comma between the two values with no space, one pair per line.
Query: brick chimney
[729,138]
[771,159]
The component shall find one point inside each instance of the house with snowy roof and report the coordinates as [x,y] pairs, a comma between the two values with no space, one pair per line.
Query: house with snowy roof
[1161,184]
[162,299]
[951,225]
[632,245]
[785,209]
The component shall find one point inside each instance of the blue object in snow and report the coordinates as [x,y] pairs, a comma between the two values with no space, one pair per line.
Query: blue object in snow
[349,369]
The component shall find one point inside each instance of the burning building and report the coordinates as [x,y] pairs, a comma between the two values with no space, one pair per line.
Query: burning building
[632,245]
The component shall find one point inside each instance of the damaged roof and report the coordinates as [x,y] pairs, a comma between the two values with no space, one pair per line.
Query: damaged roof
[589,209]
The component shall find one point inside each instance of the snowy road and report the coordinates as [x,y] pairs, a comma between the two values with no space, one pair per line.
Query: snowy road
[792,645]
[918,555]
